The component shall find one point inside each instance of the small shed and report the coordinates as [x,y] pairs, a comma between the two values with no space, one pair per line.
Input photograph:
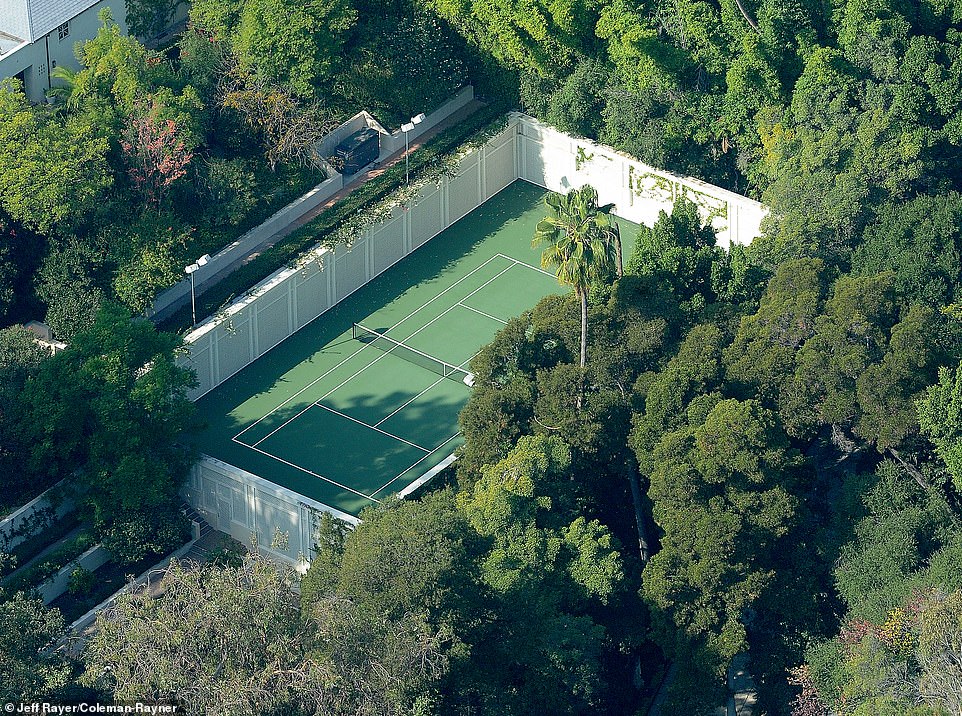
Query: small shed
[356,151]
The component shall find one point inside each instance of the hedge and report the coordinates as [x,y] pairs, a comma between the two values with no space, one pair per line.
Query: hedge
[39,572]
[423,161]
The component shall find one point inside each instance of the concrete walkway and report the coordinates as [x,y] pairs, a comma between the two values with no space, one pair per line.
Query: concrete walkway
[355,181]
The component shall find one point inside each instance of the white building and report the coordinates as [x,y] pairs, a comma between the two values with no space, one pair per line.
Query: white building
[37,36]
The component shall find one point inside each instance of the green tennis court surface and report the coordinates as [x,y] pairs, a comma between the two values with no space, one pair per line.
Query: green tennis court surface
[344,417]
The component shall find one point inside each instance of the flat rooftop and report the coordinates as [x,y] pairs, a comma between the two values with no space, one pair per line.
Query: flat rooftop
[9,42]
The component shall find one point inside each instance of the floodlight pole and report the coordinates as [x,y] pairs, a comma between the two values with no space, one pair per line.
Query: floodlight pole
[407,127]
[189,270]
[193,302]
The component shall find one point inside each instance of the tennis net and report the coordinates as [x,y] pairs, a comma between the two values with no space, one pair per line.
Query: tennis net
[412,355]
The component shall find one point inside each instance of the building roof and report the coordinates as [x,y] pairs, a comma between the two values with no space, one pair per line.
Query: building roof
[9,42]
[47,15]
[30,20]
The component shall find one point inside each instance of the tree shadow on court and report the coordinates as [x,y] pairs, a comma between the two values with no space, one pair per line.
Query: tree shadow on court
[371,459]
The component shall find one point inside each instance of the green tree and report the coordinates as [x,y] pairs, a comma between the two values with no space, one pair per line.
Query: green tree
[385,70]
[940,632]
[580,245]
[69,281]
[295,44]
[886,392]
[542,653]
[113,404]
[920,243]
[408,563]
[940,417]
[849,336]
[27,671]
[576,105]
[148,18]
[900,528]
[218,639]
[764,348]
[696,369]
[722,493]
[235,639]
[406,558]
[52,173]
[544,37]
[680,252]
[20,359]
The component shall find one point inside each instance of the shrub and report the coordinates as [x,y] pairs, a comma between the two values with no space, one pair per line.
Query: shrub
[39,572]
[81,582]
[134,536]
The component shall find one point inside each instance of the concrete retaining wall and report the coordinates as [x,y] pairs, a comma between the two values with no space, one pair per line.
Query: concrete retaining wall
[394,142]
[29,520]
[228,258]
[87,619]
[90,560]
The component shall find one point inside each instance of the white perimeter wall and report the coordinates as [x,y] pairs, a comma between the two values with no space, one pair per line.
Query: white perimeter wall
[253,510]
[560,162]
[292,297]
[243,504]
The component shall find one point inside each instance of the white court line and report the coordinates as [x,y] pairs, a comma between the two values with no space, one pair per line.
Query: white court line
[398,410]
[372,427]
[345,360]
[320,377]
[437,382]
[311,472]
[382,355]
[343,382]
[486,315]
[522,263]
[409,467]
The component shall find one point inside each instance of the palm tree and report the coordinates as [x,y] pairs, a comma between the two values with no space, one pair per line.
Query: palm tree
[616,240]
[580,246]
[582,243]
[66,92]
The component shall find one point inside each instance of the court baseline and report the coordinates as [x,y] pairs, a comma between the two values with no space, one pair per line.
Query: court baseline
[428,452]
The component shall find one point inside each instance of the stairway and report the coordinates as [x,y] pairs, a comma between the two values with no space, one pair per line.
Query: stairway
[208,538]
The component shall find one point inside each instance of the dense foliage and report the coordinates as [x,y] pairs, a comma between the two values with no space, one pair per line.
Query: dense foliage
[756,449]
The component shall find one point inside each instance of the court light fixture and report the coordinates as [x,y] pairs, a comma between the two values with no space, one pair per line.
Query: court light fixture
[189,270]
[407,127]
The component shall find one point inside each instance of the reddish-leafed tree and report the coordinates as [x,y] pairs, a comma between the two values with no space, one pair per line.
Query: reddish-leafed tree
[156,155]
[808,702]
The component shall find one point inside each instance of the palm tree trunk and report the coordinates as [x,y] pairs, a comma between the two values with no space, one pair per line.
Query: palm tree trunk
[583,295]
[644,549]
[584,329]
[620,266]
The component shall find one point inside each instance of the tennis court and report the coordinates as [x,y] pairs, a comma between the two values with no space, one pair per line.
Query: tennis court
[363,402]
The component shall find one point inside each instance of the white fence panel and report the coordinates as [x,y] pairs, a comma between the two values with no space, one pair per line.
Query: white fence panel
[526,149]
